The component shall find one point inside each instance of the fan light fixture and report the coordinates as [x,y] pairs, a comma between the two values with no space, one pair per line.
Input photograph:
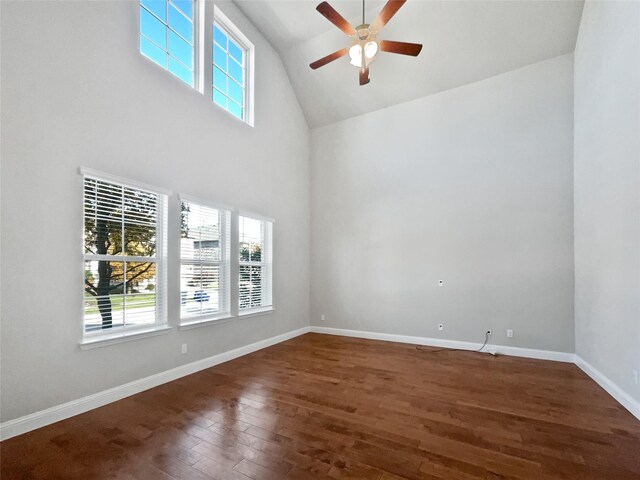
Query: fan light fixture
[365,45]
[355,52]
[370,49]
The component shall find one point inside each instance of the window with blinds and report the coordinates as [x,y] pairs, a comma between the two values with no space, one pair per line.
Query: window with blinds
[255,275]
[124,241]
[204,262]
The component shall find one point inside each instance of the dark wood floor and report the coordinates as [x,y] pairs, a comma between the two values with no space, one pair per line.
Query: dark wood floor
[321,406]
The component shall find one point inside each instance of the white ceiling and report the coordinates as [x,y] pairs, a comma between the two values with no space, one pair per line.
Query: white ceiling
[464,41]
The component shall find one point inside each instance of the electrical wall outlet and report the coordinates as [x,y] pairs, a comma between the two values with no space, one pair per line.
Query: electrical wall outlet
[509,333]
[441,283]
[322,317]
[184,348]
[441,326]
[489,332]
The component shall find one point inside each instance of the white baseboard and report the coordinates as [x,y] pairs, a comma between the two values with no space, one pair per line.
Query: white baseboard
[626,400]
[611,388]
[437,342]
[51,415]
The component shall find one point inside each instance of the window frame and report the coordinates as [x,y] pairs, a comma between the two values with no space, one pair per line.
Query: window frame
[268,247]
[233,32]
[225,273]
[197,7]
[160,324]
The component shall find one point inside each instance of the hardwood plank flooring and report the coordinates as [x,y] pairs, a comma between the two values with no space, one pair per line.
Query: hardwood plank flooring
[322,406]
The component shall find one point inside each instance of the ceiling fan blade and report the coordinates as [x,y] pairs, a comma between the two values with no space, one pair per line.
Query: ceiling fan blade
[403,48]
[334,17]
[388,11]
[364,76]
[329,58]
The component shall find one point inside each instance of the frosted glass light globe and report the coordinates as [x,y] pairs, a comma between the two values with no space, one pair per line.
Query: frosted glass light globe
[355,52]
[370,49]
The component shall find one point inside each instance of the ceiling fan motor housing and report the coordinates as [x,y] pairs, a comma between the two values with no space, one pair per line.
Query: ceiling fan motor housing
[362,32]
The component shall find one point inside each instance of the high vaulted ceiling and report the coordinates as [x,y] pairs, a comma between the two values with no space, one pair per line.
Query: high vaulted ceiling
[464,41]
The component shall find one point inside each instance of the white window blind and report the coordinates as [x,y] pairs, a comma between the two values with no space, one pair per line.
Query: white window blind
[124,257]
[204,262]
[255,276]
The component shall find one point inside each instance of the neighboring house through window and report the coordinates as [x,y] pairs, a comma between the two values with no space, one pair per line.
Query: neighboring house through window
[204,262]
[255,256]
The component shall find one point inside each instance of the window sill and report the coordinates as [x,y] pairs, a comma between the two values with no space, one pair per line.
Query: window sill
[255,312]
[111,339]
[206,322]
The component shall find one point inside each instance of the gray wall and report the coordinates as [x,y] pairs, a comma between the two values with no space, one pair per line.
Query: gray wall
[75,91]
[472,186]
[607,190]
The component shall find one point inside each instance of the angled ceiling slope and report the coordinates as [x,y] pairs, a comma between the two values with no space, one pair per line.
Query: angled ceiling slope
[464,41]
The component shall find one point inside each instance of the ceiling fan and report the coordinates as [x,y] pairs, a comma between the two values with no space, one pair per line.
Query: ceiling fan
[365,45]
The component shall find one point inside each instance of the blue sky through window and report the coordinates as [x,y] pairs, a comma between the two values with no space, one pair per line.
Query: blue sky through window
[228,73]
[167,36]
